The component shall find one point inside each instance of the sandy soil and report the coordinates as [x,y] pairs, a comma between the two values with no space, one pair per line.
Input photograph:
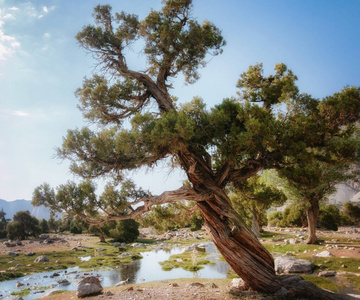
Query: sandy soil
[177,289]
[59,243]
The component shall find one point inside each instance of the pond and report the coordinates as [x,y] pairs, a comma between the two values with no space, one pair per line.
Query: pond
[145,269]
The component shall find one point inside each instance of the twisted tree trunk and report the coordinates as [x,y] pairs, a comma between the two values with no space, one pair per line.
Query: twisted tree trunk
[239,246]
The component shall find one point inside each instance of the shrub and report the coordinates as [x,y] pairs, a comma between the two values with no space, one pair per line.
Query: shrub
[126,231]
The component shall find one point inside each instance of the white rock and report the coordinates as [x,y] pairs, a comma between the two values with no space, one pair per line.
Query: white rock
[325,254]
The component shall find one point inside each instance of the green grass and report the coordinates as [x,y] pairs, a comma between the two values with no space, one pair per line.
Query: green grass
[190,261]
[23,292]
[324,283]
[67,258]
[336,263]
[296,248]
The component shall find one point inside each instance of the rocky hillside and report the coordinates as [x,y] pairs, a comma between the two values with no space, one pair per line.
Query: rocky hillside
[11,207]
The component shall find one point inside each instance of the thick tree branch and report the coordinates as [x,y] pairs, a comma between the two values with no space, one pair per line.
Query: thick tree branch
[183,193]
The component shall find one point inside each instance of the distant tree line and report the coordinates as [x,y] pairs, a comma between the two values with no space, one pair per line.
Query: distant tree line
[23,225]
[330,216]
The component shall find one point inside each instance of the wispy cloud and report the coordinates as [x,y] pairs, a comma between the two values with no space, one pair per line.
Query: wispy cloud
[19,113]
[7,43]
[14,113]
[46,10]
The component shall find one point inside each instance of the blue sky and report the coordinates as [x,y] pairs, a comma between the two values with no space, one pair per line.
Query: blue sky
[41,65]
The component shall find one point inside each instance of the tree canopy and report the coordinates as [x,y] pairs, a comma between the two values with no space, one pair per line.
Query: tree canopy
[270,124]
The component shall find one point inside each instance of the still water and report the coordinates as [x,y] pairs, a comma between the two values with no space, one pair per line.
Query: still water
[146,269]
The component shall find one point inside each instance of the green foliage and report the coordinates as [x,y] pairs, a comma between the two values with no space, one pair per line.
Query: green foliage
[173,215]
[44,226]
[329,217]
[126,231]
[75,229]
[22,226]
[53,224]
[351,214]
[274,218]
[294,215]
[3,224]
[253,197]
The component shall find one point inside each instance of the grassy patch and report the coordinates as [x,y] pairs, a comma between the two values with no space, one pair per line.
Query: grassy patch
[353,280]
[190,261]
[325,283]
[62,259]
[337,263]
[147,241]
[23,292]
[10,275]
[296,248]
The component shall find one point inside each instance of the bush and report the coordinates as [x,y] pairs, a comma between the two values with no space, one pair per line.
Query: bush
[294,215]
[75,229]
[274,218]
[126,231]
[350,214]
[329,217]
[22,226]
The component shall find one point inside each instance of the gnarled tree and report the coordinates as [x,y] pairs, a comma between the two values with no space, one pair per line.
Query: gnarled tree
[215,147]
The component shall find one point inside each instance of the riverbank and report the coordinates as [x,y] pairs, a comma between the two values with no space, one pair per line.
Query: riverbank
[175,289]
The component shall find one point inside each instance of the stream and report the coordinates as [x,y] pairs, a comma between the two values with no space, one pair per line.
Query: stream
[145,269]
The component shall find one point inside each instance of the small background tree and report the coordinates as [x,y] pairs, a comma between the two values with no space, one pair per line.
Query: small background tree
[23,225]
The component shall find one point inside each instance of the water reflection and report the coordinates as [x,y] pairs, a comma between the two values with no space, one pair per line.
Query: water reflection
[148,269]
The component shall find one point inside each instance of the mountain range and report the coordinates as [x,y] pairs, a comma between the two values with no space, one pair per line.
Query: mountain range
[11,207]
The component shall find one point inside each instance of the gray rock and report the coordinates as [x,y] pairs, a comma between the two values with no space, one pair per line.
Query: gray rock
[30,253]
[19,284]
[11,253]
[239,284]
[116,244]
[327,274]
[64,282]
[325,254]
[41,258]
[287,265]
[293,241]
[88,286]
[200,248]
[9,244]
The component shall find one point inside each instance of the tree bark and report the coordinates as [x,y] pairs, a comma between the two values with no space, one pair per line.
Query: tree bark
[255,223]
[312,214]
[102,237]
[238,245]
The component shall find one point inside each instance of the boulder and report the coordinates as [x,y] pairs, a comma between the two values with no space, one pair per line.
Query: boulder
[41,258]
[9,244]
[327,274]
[200,248]
[325,254]
[30,253]
[88,286]
[239,284]
[288,264]
[64,282]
